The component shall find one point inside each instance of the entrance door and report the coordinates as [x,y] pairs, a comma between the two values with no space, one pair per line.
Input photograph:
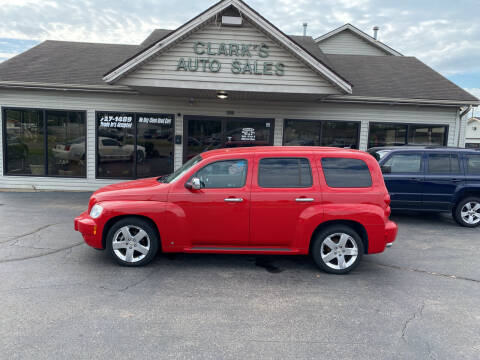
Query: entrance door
[208,133]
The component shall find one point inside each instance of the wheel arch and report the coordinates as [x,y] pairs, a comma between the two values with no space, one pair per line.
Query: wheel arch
[465,193]
[358,227]
[112,221]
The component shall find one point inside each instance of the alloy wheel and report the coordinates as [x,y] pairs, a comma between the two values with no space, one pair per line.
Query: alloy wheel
[131,244]
[339,251]
[470,213]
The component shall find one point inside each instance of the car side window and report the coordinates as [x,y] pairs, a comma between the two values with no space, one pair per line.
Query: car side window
[284,173]
[405,163]
[223,174]
[443,164]
[346,173]
[473,164]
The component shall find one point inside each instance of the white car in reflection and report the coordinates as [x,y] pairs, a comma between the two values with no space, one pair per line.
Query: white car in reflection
[108,149]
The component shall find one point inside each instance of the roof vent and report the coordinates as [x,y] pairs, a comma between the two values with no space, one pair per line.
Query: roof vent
[232,20]
[305,28]
[375,32]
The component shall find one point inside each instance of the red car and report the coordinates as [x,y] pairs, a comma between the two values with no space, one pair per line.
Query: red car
[328,202]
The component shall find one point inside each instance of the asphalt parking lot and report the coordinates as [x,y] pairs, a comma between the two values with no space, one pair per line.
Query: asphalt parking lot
[61,299]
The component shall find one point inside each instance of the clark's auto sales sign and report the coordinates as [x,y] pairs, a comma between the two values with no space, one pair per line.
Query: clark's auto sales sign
[245,59]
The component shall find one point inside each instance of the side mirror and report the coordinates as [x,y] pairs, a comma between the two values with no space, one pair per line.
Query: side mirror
[194,184]
[386,169]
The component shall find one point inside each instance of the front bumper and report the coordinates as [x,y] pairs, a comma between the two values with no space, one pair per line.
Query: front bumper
[90,230]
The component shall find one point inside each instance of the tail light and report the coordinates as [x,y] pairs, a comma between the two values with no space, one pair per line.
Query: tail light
[387,200]
[67,147]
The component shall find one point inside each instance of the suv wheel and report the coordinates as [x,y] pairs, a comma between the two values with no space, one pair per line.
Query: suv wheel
[132,242]
[467,212]
[338,249]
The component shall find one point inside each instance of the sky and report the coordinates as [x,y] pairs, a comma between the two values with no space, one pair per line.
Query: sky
[444,34]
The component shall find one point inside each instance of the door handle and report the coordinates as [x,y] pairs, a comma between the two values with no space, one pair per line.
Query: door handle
[456,180]
[304,199]
[233,199]
[415,179]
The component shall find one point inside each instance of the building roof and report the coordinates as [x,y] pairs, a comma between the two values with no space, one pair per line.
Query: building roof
[396,77]
[363,35]
[77,63]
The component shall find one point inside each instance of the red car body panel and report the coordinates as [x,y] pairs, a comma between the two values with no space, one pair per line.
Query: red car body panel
[268,220]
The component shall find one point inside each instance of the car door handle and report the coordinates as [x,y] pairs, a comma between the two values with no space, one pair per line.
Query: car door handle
[456,180]
[415,179]
[304,199]
[233,199]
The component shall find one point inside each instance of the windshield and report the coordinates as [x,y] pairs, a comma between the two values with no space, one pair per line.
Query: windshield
[180,171]
[378,154]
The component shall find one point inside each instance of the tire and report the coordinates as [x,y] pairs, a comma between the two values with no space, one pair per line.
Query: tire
[340,263]
[140,249]
[467,212]
[140,156]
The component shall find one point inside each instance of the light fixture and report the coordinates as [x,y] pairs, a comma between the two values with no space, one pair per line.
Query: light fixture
[222,95]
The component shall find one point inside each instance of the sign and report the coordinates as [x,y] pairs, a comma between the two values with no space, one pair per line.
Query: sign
[246,59]
[154,120]
[111,121]
[248,134]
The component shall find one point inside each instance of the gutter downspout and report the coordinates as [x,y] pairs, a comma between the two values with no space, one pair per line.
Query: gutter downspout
[459,125]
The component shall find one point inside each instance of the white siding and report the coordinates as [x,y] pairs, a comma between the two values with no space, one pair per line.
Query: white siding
[346,42]
[92,102]
[162,70]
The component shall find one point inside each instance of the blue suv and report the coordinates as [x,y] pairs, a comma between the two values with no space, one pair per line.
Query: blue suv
[428,178]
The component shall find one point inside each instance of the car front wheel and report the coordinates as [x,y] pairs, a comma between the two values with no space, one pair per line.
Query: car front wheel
[132,242]
[467,212]
[338,249]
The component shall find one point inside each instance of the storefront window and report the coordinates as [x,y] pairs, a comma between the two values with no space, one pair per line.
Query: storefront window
[208,133]
[66,143]
[387,135]
[35,147]
[383,134]
[134,145]
[343,134]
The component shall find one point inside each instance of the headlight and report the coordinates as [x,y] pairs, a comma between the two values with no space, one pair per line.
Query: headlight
[96,211]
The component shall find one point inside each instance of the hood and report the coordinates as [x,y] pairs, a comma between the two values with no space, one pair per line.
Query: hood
[138,190]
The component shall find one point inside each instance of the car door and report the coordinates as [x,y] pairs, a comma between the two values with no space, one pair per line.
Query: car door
[217,214]
[443,176]
[282,189]
[405,178]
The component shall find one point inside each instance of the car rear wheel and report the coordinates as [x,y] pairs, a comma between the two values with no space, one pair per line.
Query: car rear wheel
[338,249]
[132,242]
[467,212]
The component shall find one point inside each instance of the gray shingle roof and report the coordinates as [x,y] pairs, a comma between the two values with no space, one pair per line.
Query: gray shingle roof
[396,77]
[62,62]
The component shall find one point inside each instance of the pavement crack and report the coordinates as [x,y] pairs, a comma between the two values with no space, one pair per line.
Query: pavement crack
[40,255]
[18,237]
[448,276]
[416,315]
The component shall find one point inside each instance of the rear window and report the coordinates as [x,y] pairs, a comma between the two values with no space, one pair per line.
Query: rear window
[284,173]
[443,164]
[346,173]
[473,164]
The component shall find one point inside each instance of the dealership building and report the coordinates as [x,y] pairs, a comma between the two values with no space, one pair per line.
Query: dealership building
[78,116]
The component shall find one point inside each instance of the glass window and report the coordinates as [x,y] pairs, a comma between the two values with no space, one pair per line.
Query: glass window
[247,132]
[155,142]
[426,135]
[473,164]
[405,163]
[443,164]
[66,143]
[59,152]
[134,145]
[302,132]
[284,173]
[203,135]
[387,135]
[341,134]
[346,173]
[116,146]
[223,174]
